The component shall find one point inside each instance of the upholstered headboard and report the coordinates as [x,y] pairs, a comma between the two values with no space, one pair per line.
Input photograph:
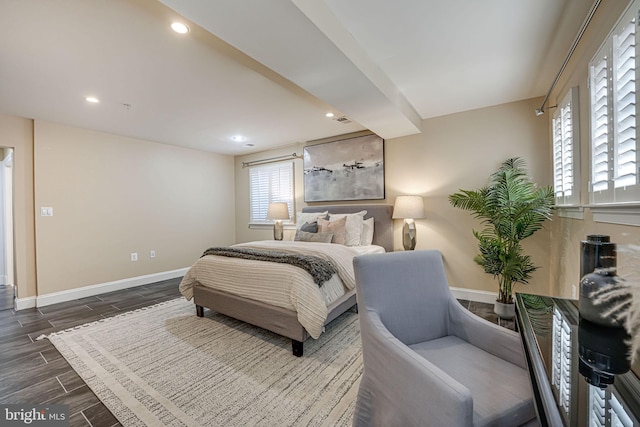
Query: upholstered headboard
[381,214]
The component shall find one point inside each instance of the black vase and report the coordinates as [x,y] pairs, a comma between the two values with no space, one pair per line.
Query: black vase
[589,286]
[598,271]
[597,252]
[602,353]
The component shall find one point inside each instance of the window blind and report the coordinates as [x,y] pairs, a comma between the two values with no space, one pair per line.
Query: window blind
[613,73]
[269,183]
[605,410]
[561,357]
[599,125]
[624,59]
[558,182]
[619,417]
[565,131]
[597,407]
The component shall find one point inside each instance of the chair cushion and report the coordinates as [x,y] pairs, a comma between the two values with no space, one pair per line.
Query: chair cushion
[501,390]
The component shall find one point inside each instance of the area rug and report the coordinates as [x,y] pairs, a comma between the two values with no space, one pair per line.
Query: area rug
[164,366]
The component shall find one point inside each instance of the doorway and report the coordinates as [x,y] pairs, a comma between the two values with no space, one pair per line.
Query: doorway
[7,285]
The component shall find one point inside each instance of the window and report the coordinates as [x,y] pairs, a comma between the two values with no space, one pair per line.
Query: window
[565,153]
[605,409]
[267,184]
[613,101]
[561,357]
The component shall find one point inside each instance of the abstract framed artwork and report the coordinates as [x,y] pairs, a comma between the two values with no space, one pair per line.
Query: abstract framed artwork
[348,169]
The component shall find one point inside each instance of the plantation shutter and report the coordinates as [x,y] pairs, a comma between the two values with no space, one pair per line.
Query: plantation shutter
[567,150]
[613,79]
[624,146]
[597,407]
[269,183]
[561,357]
[599,88]
[605,409]
[619,417]
[564,125]
[558,181]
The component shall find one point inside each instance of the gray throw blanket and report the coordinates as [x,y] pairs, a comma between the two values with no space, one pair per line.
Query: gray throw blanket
[318,268]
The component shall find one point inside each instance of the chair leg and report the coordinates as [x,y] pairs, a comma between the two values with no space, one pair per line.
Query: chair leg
[199,311]
[297,347]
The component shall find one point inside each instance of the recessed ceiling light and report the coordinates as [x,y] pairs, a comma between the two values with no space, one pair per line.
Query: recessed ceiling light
[238,138]
[92,99]
[329,115]
[180,28]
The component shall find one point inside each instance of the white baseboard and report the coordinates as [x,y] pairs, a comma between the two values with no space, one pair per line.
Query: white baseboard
[24,303]
[88,291]
[474,295]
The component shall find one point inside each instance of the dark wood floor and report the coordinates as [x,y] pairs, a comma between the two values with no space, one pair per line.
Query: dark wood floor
[33,371]
[6,297]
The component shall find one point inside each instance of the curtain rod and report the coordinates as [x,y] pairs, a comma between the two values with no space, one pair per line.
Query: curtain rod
[585,24]
[271,160]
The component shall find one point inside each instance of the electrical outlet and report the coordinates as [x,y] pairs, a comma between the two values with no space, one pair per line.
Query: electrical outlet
[134,256]
[152,254]
[46,211]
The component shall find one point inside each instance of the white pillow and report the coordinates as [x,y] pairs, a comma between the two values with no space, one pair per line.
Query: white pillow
[367,232]
[302,217]
[353,228]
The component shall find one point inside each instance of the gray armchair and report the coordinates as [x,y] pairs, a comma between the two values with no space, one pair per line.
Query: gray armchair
[427,360]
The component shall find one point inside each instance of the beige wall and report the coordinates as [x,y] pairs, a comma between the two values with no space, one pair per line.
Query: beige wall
[567,233]
[113,195]
[460,151]
[17,132]
[452,152]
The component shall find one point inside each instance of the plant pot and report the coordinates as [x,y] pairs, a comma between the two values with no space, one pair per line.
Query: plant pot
[504,311]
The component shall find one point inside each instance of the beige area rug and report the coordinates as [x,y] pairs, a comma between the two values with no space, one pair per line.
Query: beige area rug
[164,366]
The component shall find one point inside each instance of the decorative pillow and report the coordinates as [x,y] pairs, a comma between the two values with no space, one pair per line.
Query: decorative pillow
[304,217]
[335,227]
[353,228]
[310,227]
[367,232]
[303,236]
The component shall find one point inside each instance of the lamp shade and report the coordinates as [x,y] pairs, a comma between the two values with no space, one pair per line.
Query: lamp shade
[278,210]
[408,207]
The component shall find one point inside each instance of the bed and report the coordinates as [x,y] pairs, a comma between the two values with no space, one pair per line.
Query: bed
[231,286]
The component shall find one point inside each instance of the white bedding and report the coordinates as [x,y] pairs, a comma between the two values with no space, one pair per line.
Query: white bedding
[278,284]
[366,250]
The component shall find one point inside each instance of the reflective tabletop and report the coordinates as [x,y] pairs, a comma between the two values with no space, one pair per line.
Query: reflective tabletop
[580,371]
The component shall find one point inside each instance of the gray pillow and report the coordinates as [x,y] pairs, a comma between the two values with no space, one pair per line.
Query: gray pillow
[303,236]
[310,227]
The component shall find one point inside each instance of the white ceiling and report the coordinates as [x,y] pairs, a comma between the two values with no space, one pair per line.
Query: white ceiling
[271,69]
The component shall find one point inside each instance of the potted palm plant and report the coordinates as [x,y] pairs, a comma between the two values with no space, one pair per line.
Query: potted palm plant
[511,208]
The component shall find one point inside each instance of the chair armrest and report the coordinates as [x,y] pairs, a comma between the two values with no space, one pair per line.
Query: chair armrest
[494,339]
[400,377]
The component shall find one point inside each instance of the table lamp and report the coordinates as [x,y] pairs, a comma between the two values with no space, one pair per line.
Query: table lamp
[408,208]
[278,211]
